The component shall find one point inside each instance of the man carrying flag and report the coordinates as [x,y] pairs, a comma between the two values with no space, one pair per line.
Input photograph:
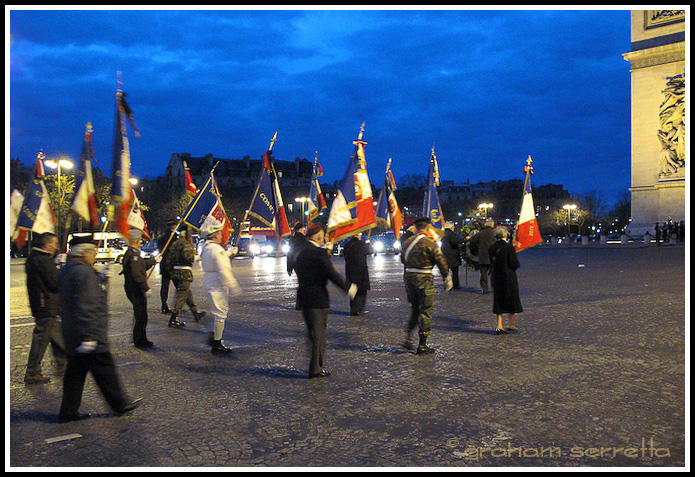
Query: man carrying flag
[36,214]
[120,187]
[316,200]
[387,212]
[431,207]
[352,210]
[527,233]
[84,203]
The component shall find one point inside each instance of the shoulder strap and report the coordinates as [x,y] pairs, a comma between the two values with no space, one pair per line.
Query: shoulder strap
[412,244]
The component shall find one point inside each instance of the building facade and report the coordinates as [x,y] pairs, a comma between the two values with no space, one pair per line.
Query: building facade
[658,162]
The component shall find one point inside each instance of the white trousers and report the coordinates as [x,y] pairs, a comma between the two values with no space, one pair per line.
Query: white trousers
[219,307]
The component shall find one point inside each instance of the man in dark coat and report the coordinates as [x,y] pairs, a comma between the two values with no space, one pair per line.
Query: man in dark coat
[451,244]
[296,243]
[135,283]
[164,270]
[505,285]
[84,312]
[314,269]
[356,271]
[482,241]
[42,286]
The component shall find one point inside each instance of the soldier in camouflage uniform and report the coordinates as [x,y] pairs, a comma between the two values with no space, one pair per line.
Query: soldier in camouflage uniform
[420,254]
[180,263]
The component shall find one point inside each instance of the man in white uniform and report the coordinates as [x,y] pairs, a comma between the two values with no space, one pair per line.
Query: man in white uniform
[219,283]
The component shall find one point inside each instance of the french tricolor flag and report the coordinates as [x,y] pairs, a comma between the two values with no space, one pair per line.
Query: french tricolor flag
[527,233]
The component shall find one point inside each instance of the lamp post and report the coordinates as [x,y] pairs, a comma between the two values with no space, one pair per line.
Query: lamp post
[485,206]
[569,208]
[61,162]
[302,200]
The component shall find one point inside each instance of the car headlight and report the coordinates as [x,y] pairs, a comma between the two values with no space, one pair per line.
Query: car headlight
[285,249]
[378,246]
[397,245]
[268,249]
[254,249]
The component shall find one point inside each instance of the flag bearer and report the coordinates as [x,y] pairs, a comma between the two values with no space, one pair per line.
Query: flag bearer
[180,263]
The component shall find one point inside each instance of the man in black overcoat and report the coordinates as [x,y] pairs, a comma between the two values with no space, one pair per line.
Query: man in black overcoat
[451,244]
[314,269]
[356,271]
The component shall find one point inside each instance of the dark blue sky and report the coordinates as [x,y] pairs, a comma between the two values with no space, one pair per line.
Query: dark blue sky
[488,87]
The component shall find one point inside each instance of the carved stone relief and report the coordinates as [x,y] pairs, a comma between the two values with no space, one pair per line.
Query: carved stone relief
[672,126]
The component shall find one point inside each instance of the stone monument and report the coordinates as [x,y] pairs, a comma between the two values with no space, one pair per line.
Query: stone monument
[657,69]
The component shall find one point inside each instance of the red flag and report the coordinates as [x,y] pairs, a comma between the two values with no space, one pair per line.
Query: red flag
[84,203]
[190,186]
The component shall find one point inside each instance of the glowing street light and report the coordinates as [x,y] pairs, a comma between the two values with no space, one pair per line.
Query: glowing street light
[133,180]
[485,206]
[302,200]
[569,208]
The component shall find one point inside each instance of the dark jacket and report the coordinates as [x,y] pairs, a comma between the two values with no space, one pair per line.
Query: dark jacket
[135,270]
[450,248]
[296,242]
[83,306]
[356,271]
[42,284]
[483,240]
[314,269]
[505,286]
[161,242]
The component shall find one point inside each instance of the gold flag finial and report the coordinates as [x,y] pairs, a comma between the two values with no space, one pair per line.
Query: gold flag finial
[359,136]
[272,141]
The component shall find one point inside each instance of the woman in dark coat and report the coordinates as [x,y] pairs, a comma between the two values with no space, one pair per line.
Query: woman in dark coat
[505,287]
[356,271]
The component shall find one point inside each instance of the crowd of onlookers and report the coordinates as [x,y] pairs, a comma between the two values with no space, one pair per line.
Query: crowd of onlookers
[669,231]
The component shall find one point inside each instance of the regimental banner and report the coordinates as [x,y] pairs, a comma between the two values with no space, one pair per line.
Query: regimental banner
[527,233]
[36,214]
[136,218]
[317,202]
[431,206]
[388,214]
[267,205]
[191,189]
[84,202]
[352,210]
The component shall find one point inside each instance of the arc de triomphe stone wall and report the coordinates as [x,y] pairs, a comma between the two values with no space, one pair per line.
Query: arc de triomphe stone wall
[657,69]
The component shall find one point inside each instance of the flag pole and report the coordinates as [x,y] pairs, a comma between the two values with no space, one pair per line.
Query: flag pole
[255,193]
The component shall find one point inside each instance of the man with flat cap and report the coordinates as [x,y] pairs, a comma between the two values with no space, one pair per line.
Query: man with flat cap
[84,312]
[314,269]
[135,274]
[163,264]
[419,255]
[296,242]
[180,263]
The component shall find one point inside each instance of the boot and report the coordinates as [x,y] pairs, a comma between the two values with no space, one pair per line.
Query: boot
[219,348]
[407,343]
[198,316]
[165,309]
[422,347]
[174,323]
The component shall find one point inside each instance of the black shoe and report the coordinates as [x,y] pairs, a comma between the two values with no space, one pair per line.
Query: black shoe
[219,348]
[80,416]
[174,322]
[198,316]
[165,310]
[129,407]
[144,344]
[511,330]
[424,349]
[500,332]
[354,313]
[321,374]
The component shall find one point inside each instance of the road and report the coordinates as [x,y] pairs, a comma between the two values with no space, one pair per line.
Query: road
[594,378]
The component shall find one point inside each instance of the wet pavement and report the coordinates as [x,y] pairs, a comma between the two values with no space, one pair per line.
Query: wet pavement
[594,378]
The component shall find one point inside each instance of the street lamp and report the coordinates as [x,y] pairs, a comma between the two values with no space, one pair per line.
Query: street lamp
[486,206]
[302,200]
[133,180]
[569,208]
[61,162]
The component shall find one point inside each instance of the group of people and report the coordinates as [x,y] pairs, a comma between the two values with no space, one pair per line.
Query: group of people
[70,307]
[669,230]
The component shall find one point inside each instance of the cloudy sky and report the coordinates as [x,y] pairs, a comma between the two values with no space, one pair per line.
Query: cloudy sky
[488,88]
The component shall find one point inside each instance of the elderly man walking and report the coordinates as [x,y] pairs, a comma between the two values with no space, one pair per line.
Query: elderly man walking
[219,283]
[483,240]
[84,312]
[42,286]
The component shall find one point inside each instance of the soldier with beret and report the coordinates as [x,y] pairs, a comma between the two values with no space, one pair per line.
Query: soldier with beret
[180,263]
[420,254]
[135,274]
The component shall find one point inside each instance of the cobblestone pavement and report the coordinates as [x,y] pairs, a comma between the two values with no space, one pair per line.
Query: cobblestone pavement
[594,378]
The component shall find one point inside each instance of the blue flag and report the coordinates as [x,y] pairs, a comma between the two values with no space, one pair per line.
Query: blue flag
[431,207]
[202,205]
